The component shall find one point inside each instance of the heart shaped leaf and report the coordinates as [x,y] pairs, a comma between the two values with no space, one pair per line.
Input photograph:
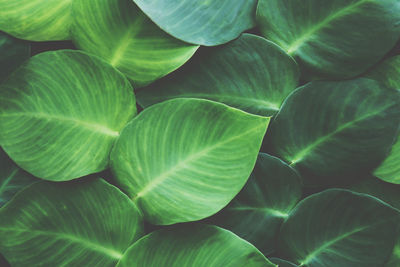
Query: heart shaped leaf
[12,178]
[339,228]
[203,22]
[88,223]
[61,112]
[36,20]
[332,38]
[185,159]
[258,211]
[249,73]
[12,53]
[193,246]
[336,128]
[119,32]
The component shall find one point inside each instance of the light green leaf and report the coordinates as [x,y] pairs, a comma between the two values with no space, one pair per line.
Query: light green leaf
[331,38]
[339,228]
[336,128]
[12,178]
[12,53]
[193,246]
[388,73]
[88,223]
[249,73]
[36,20]
[258,211]
[203,22]
[185,159]
[119,32]
[61,112]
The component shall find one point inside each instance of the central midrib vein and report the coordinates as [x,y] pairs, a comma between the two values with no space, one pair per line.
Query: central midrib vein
[162,177]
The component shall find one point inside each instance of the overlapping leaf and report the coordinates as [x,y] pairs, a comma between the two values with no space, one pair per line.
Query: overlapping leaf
[339,228]
[185,159]
[203,22]
[249,73]
[336,128]
[12,53]
[12,178]
[193,246]
[61,112]
[89,223]
[121,34]
[36,20]
[258,211]
[332,38]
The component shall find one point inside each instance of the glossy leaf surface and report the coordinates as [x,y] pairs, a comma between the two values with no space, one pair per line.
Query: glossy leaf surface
[89,223]
[193,246]
[61,112]
[336,128]
[339,228]
[119,32]
[185,159]
[249,73]
[332,39]
[203,22]
[258,211]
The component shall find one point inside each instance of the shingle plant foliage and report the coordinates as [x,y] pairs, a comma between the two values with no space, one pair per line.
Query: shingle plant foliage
[179,133]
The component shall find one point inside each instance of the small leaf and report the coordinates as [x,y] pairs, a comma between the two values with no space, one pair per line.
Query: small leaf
[185,159]
[89,223]
[249,73]
[193,246]
[336,128]
[258,211]
[12,53]
[61,112]
[119,32]
[339,228]
[332,39]
[12,178]
[36,20]
[202,22]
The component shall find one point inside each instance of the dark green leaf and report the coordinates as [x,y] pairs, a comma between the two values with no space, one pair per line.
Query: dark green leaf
[282,263]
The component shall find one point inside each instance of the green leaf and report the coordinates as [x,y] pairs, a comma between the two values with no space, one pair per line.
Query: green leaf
[119,32]
[331,38]
[339,228]
[185,159]
[12,178]
[258,211]
[249,73]
[282,263]
[36,20]
[388,73]
[12,53]
[203,22]
[336,128]
[193,246]
[88,223]
[61,112]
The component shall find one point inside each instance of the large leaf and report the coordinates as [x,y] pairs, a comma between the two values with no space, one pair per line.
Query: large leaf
[185,159]
[36,20]
[193,246]
[336,128]
[332,38]
[12,178]
[89,223]
[388,73]
[339,228]
[203,22]
[119,32]
[258,211]
[61,112]
[12,53]
[249,73]
[282,263]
